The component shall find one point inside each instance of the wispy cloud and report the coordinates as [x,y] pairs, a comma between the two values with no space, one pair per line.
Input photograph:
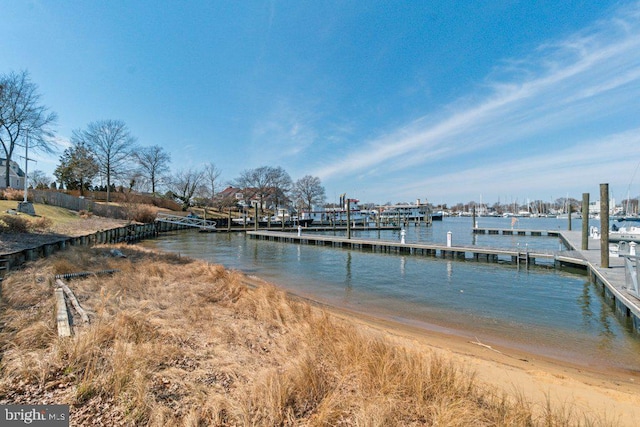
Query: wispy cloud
[612,159]
[282,133]
[589,81]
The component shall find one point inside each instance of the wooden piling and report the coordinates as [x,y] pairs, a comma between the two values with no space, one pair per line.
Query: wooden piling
[473,218]
[604,225]
[585,221]
[348,219]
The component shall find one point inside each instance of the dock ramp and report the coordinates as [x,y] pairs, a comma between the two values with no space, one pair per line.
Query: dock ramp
[188,221]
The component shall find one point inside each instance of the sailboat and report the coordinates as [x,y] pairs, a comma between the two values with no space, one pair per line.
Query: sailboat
[626,229]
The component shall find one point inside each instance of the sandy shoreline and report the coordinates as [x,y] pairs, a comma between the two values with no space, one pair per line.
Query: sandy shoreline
[612,394]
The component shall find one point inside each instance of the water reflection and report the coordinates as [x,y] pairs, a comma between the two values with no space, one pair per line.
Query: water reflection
[584,301]
[348,279]
[607,335]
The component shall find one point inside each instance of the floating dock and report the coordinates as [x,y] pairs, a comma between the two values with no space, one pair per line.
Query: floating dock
[478,253]
[516,232]
[615,281]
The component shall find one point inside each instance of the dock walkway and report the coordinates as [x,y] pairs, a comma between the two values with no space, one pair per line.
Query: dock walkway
[478,253]
[516,232]
[613,279]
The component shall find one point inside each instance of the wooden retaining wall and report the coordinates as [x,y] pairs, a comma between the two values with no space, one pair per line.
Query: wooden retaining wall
[128,233]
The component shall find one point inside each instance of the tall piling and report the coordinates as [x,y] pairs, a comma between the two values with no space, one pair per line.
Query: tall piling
[585,221]
[348,219]
[473,218]
[604,225]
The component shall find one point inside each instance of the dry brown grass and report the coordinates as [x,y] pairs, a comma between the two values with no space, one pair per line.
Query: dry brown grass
[23,224]
[12,194]
[179,342]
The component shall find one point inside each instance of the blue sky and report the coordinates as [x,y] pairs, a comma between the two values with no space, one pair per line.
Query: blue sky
[386,101]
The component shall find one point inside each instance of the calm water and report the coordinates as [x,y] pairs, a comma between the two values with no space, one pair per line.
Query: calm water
[542,311]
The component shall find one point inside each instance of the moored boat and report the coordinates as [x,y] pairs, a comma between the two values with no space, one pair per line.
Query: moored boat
[625,230]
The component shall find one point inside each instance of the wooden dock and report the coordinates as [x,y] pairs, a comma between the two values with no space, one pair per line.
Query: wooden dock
[516,232]
[525,258]
[613,279]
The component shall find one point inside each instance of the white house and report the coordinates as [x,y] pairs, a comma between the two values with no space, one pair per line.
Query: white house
[16,175]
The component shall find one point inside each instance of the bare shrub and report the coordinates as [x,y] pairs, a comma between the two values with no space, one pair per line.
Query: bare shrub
[14,224]
[40,224]
[145,214]
[13,194]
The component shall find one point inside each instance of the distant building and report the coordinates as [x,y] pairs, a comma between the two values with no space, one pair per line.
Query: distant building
[232,193]
[16,175]
[272,198]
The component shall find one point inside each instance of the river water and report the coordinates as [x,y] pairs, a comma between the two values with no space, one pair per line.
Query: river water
[543,311]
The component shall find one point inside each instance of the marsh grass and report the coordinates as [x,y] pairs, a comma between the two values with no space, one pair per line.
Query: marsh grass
[174,341]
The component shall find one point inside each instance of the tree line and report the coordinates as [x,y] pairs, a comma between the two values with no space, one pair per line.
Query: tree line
[105,153]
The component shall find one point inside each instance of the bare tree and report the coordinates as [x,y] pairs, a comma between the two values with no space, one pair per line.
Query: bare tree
[281,184]
[309,191]
[39,180]
[211,175]
[112,145]
[22,117]
[256,183]
[185,184]
[153,164]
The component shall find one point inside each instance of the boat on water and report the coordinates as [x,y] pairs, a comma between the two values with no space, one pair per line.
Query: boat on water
[338,215]
[625,229]
[406,212]
[437,216]
[289,219]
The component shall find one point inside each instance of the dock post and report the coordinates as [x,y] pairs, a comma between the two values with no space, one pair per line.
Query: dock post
[585,221]
[255,227]
[348,219]
[569,214]
[604,225]
[473,219]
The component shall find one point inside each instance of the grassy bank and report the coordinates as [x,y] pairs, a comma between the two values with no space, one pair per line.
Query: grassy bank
[55,214]
[174,341]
